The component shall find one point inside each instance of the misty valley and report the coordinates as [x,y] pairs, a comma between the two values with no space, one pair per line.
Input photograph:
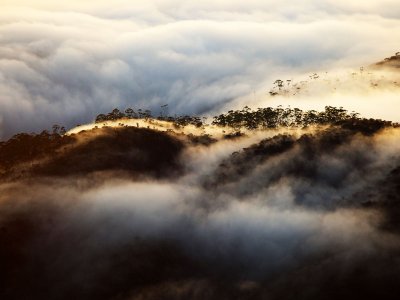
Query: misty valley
[245,207]
[199,150]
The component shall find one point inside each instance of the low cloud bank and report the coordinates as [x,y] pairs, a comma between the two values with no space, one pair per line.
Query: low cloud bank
[65,63]
[312,216]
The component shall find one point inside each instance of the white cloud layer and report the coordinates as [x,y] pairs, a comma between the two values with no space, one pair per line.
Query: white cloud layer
[66,62]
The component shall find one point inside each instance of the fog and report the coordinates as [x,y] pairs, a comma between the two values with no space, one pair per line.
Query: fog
[212,230]
[143,209]
[372,92]
[67,62]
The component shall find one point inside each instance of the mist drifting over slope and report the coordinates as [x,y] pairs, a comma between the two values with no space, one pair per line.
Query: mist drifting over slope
[263,201]
[314,209]
[65,62]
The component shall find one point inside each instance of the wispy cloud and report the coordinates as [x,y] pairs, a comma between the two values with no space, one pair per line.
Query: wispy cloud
[301,211]
[67,62]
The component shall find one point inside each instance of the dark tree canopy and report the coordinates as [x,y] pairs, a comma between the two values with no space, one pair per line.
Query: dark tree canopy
[264,118]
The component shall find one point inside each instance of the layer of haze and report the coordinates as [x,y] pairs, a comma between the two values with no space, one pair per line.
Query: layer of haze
[290,212]
[66,62]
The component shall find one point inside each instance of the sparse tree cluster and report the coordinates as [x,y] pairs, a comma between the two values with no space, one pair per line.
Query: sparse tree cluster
[394,57]
[129,113]
[182,121]
[246,118]
[178,121]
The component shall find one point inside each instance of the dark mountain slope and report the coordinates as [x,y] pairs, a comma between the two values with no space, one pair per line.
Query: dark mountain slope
[311,215]
[134,151]
[392,61]
[317,162]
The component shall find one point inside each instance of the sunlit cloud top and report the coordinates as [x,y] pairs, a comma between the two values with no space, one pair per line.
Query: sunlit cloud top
[66,62]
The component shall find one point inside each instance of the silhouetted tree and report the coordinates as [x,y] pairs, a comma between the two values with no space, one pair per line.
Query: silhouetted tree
[55,128]
[101,118]
[130,113]
[116,114]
